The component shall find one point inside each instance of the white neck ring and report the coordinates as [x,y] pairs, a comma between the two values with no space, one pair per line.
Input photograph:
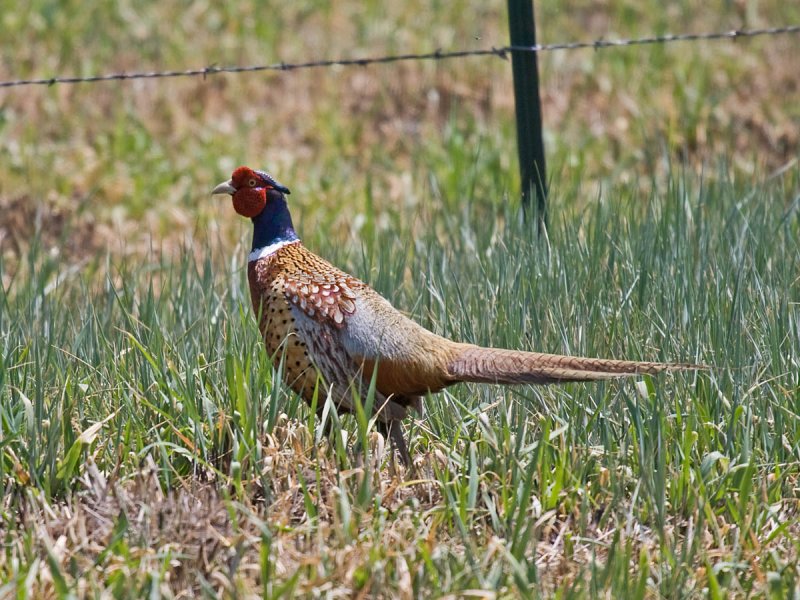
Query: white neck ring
[259,253]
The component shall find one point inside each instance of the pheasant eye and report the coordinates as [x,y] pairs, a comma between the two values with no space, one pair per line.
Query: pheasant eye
[252,183]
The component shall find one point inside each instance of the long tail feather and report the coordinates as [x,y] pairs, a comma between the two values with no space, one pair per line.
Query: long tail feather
[495,365]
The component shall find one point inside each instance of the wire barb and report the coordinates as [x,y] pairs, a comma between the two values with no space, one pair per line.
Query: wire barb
[438,54]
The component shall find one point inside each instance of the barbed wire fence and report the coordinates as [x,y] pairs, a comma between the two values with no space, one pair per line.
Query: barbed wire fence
[530,145]
[500,52]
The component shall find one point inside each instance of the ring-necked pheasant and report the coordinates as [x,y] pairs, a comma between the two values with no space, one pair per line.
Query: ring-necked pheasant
[328,322]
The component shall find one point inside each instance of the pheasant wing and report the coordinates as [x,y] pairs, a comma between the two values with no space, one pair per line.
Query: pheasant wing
[316,288]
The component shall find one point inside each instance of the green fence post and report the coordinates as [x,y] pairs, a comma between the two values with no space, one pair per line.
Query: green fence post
[530,147]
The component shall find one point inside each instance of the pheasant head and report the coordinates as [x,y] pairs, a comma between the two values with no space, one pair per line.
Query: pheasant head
[249,190]
[258,196]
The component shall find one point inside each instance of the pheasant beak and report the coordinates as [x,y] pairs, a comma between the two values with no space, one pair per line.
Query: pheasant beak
[226,187]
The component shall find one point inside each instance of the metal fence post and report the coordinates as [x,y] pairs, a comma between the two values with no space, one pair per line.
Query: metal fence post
[530,147]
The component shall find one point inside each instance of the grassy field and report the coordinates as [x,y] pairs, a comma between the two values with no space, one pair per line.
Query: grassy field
[147,447]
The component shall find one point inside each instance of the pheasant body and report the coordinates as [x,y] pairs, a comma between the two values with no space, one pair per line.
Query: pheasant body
[321,321]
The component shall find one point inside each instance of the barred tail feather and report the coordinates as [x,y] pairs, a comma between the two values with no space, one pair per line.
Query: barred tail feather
[495,365]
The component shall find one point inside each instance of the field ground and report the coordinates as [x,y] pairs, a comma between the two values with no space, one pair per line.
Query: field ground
[146,447]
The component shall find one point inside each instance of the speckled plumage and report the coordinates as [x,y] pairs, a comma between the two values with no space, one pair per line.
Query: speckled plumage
[322,319]
[323,322]
[297,296]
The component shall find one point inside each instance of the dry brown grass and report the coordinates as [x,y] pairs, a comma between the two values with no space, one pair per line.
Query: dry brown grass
[114,534]
[198,534]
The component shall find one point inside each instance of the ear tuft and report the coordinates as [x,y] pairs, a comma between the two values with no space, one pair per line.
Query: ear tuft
[273,182]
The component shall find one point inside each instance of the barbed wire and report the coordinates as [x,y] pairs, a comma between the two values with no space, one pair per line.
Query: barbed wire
[501,52]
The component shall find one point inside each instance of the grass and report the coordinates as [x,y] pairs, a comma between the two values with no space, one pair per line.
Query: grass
[147,446]
[149,399]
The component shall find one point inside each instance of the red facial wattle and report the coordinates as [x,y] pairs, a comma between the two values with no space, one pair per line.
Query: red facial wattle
[249,202]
